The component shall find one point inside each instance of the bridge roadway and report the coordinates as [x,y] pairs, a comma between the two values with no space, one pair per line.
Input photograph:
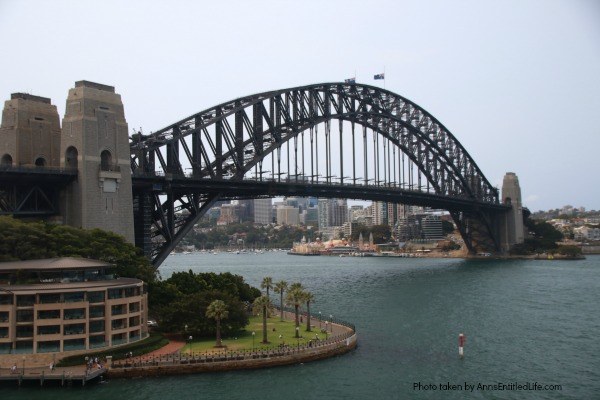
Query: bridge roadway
[250,188]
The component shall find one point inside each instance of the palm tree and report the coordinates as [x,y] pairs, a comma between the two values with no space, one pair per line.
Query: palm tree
[308,298]
[296,285]
[295,297]
[264,303]
[267,283]
[217,310]
[281,287]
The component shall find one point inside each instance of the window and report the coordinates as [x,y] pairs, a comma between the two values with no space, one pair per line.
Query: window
[24,315]
[95,297]
[119,324]
[25,300]
[74,329]
[74,297]
[48,330]
[25,331]
[48,314]
[96,326]
[71,157]
[75,313]
[6,160]
[134,307]
[6,299]
[115,293]
[4,316]
[74,344]
[97,341]
[40,162]
[51,346]
[97,312]
[105,160]
[118,309]
[50,298]
[4,332]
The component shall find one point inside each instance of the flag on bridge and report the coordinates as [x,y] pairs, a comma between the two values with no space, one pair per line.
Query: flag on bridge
[350,80]
[379,76]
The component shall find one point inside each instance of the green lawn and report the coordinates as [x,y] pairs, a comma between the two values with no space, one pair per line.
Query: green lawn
[244,340]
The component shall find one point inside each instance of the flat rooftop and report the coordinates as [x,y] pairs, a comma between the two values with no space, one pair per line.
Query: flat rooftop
[53,264]
[70,286]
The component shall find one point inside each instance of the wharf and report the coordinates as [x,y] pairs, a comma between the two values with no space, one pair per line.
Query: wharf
[62,376]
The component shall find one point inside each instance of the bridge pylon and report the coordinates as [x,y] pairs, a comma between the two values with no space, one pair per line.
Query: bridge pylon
[512,228]
[95,141]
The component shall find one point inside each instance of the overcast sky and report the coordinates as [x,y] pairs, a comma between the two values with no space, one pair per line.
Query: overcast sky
[517,82]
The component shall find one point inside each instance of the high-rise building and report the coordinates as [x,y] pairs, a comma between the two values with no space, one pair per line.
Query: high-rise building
[432,227]
[287,215]
[263,211]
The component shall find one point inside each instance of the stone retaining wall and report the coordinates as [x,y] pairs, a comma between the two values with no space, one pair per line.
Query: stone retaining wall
[295,357]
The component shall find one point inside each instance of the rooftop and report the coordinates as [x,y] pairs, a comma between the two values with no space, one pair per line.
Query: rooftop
[53,264]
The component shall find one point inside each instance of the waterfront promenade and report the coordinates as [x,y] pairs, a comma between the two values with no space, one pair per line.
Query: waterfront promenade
[173,360]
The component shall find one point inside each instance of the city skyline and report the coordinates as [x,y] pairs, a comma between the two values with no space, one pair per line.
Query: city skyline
[515,82]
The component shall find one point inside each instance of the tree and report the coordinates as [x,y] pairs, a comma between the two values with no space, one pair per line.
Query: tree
[218,311]
[281,287]
[263,302]
[267,283]
[295,297]
[308,298]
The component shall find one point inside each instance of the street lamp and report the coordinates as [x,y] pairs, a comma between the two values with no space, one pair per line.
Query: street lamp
[331,322]
[319,320]
[253,334]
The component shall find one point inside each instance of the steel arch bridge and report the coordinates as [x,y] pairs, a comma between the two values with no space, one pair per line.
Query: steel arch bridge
[284,143]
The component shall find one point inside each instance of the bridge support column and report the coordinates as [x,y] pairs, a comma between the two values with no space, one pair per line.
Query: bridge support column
[512,230]
[96,142]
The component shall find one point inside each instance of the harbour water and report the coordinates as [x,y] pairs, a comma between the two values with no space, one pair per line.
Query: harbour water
[529,323]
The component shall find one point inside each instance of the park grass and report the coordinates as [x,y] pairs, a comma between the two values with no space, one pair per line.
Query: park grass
[244,340]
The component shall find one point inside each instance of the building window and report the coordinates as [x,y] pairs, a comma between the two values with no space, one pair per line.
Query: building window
[3,332]
[4,316]
[71,157]
[105,160]
[25,300]
[95,297]
[74,344]
[119,338]
[50,298]
[134,321]
[40,162]
[97,312]
[24,315]
[75,313]
[119,324]
[25,331]
[97,341]
[118,309]
[6,299]
[97,326]
[48,330]
[74,297]
[74,329]
[115,294]
[48,314]
[134,307]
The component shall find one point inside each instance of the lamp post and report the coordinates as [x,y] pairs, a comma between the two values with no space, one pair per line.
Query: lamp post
[253,334]
[331,322]
[319,320]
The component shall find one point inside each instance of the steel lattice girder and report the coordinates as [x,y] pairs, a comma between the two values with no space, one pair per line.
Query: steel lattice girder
[280,116]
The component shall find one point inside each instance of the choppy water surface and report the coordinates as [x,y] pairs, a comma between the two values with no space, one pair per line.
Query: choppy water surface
[526,322]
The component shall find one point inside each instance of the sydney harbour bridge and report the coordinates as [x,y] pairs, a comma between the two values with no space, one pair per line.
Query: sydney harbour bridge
[330,140]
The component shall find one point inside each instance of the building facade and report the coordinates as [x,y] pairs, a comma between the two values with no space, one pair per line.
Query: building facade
[68,304]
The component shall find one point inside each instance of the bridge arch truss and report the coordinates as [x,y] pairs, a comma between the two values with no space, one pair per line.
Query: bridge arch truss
[286,142]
